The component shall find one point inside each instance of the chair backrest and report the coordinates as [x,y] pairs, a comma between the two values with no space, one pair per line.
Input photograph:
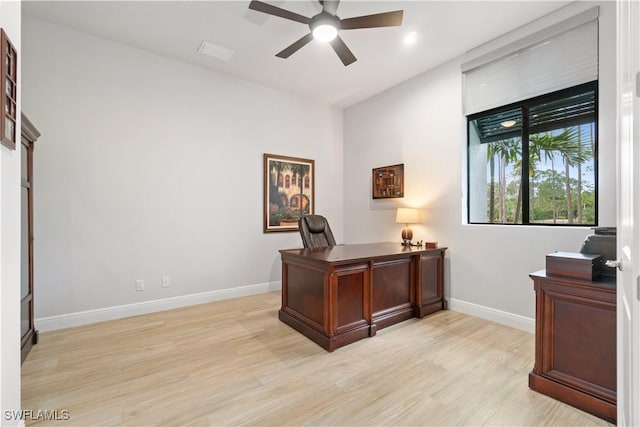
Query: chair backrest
[315,232]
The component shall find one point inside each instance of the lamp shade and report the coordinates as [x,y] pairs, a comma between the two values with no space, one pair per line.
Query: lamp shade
[407,216]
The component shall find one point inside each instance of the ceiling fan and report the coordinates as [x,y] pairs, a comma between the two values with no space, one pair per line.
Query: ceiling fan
[325,26]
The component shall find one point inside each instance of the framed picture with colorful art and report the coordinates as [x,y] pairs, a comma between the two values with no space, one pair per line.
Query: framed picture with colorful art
[288,191]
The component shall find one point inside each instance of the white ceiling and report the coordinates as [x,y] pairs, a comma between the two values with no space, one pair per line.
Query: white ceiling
[444,29]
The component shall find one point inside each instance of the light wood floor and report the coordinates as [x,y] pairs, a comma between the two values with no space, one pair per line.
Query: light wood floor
[234,363]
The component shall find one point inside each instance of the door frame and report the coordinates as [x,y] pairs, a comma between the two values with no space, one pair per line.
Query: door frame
[628,211]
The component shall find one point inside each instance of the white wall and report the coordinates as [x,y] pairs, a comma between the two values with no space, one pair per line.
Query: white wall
[148,167]
[10,246]
[420,123]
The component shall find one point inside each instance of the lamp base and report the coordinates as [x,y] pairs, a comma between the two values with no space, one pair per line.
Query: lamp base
[407,234]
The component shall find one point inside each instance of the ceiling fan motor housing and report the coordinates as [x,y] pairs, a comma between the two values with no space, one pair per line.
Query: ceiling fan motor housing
[324,18]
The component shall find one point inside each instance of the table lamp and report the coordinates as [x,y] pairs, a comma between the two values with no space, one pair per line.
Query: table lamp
[407,216]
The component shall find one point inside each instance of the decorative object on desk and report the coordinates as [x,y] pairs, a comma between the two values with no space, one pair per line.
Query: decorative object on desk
[388,182]
[407,216]
[574,264]
[288,191]
[430,245]
[9,90]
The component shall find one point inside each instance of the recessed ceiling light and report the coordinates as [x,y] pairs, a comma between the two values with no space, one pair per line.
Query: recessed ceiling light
[508,123]
[411,38]
[214,50]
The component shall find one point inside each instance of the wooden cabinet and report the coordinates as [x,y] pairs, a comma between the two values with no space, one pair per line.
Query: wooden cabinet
[575,359]
[28,333]
[338,295]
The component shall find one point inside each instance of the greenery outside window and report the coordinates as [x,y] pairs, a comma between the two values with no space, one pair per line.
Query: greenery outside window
[535,161]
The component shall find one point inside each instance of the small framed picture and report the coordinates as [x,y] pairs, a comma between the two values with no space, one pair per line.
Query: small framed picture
[388,182]
[9,91]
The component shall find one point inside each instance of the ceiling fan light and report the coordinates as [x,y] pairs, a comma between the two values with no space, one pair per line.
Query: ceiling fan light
[325,32]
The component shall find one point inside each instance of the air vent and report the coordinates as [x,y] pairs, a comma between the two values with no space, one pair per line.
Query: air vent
[214,50]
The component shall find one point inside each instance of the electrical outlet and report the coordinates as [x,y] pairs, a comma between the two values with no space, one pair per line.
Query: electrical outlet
[139,285]
[165,281]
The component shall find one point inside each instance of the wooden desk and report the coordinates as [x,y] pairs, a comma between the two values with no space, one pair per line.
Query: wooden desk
[575,358]
[336,296]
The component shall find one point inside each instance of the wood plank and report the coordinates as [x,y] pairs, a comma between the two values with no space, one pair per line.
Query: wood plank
[234,363]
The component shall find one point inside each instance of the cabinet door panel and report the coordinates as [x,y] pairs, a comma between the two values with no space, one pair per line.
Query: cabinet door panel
[581,342]
[305,294]
[431,271]
[392,286]
[351,295]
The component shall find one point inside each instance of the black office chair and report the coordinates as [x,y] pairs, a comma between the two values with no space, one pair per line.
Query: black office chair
[315,232]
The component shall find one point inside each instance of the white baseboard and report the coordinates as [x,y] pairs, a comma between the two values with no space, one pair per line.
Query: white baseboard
[524,323]
[52,323]
[62,321]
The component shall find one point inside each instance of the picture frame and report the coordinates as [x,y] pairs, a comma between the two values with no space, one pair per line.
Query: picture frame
[9,90]
[289,191]
[387,182]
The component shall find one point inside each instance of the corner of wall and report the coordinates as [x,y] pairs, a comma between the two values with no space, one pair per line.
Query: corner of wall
[10,247]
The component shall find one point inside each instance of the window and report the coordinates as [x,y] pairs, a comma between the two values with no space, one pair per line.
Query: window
[535,161]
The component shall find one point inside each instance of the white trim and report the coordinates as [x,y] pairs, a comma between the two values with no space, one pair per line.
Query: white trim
[524,323]
[79,318]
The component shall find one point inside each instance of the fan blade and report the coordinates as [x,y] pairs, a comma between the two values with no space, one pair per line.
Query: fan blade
[343,51]
[295,46]
[330,6]
[277,11]
[387,19]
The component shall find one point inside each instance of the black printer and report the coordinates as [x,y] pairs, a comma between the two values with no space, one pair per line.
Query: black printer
[602,242]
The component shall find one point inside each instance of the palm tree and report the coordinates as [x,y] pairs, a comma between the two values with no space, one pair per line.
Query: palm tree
[573,153]
[588,148]
[276,166]
[568,145]
[300,171]
[541,145]
[507,151]
[492,184]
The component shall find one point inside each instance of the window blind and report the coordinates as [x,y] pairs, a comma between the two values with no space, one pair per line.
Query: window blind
[559,57]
